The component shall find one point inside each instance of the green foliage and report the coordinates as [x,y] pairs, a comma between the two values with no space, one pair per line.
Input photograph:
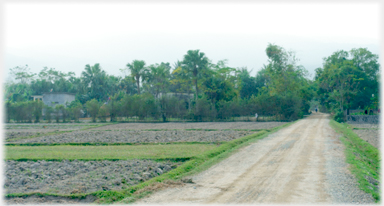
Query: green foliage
[59,108]
[194,64]
[348,82]
[138,71]
[339,116]
[103,113]
[93,108]
[75,108]
[48,113]
[37,110]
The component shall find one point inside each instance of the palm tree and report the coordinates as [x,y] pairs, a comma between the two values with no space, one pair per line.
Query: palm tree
[158,77]
[137,70]
[194,62]
[95,79]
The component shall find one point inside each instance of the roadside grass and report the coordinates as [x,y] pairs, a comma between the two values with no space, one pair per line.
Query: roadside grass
[116,152]
[195,165]
[364,159]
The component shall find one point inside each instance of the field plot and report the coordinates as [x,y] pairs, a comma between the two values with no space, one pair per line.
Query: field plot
[171,151]
[14,131]
[367,126]
[69,177]
[83,158]
[137,136]
[368,132]
[193,125]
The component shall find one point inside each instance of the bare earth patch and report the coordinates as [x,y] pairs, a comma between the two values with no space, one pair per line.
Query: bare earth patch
[370,136]
[138,136]
[70,177]
[192,125]
[369,126]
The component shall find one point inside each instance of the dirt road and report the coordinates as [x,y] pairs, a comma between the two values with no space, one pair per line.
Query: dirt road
[303,163]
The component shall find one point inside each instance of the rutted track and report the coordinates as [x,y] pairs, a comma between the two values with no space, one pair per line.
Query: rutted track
[290,166]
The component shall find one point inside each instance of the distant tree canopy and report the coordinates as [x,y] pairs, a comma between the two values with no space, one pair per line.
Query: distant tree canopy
[349,80]
[281,88]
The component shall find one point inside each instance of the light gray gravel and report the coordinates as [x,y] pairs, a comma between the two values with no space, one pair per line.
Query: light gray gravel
[69,177]
[138,136]
[342,186]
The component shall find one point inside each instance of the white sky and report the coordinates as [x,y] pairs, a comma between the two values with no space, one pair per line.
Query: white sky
[67,36]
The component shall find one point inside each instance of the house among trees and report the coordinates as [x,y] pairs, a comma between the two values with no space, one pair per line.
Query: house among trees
[53,98]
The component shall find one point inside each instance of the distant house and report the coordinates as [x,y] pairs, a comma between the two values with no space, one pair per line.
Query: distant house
[37,97]
[54,98]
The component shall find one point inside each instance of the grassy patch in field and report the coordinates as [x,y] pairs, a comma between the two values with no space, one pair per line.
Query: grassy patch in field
[363,158]
[169,151]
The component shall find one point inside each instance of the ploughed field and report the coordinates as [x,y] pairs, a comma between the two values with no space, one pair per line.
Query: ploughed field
[17,130]
[137,136]
[368,132]
[78,158]
[194,125]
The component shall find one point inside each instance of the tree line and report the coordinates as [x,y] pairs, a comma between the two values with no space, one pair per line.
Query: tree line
[280,90]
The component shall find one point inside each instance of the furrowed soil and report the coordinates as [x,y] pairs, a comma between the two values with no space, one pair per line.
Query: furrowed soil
[368,132]
[303,163]
[192,125]
[137,136]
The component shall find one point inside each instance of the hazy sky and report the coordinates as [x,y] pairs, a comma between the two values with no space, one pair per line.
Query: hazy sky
[67,36]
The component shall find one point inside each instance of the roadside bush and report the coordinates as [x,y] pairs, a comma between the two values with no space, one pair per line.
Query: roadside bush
[339,116]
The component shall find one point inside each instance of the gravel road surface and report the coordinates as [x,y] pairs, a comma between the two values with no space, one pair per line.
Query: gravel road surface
[303,163]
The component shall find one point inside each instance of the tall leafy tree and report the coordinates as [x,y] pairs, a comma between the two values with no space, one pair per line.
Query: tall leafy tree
[158,78]
[95,81]
[138,70]
[195,63]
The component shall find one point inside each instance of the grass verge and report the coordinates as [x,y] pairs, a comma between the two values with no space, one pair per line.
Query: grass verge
[364,159]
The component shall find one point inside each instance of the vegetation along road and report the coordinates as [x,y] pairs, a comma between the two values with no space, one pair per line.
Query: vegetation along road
[302,163]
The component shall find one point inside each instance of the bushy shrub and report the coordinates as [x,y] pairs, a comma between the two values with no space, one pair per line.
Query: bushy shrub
[339,116]
[103,113]
[93,108]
